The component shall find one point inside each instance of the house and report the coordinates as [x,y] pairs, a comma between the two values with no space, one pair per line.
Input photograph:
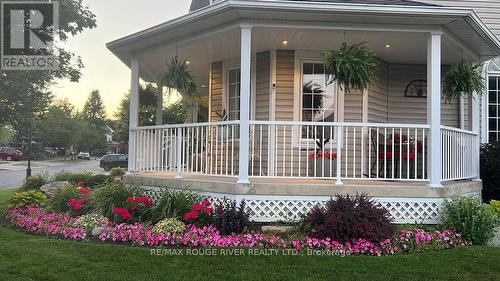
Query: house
[270,110]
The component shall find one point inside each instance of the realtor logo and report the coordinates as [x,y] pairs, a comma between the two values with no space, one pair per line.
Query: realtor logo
[28,31]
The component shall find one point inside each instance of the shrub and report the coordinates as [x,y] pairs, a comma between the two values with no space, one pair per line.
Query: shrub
[97,180]
[346,218]
[90,221]
[117,172]
[72,177]
[173,203]
[35,182]
[490,165]
[33,198]
[169,226]
[495,205]
[200,214]
[230,218]
[114,195]
[468,216]
[72,199]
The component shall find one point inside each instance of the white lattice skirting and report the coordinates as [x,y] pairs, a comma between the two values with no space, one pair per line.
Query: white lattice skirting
[264,208]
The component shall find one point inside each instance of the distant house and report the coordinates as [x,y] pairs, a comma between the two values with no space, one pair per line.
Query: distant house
[398,141]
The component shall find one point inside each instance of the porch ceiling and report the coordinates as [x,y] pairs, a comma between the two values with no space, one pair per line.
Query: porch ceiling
[210,34]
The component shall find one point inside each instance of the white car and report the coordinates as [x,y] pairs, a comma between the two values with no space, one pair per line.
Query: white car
[83,155]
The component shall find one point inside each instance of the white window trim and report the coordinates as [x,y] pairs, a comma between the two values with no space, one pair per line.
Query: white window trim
[300,58]
[233,63]
[486,103]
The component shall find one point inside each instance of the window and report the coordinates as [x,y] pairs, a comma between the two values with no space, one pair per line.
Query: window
[233,94]
[318,102]
[494,108]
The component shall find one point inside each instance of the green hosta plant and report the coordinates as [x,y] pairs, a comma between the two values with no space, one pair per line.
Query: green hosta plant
[470,217]
[352,66]
[90,221]
[463,79]
[32,198]
[170,225]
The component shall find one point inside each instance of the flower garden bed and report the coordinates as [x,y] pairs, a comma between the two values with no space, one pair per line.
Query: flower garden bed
[61,225]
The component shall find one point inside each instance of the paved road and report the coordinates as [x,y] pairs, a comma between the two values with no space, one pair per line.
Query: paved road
[12,174]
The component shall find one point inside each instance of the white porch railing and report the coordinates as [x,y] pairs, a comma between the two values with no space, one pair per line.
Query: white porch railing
[349,150]
[316,150]
[204,148]
[460,153]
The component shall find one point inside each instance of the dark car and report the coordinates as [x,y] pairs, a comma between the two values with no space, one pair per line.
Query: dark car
[114,161]
[10,154]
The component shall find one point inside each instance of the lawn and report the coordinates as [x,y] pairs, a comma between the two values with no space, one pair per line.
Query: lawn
[28,257]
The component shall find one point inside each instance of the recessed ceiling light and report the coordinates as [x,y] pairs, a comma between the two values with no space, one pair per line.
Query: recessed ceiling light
[284,43]
[387,45]
[188,62]
[203,86]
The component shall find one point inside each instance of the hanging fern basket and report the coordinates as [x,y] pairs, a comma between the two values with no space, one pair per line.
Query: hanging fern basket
[463,79]
[351,66]
[178,77]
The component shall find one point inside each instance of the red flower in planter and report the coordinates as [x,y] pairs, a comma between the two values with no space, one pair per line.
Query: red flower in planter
[122,212]
[323,154]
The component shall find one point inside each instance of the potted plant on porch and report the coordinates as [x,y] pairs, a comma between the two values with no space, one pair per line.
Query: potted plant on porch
[351,67]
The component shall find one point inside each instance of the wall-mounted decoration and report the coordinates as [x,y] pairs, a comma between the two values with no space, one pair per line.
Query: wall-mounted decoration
[417,89]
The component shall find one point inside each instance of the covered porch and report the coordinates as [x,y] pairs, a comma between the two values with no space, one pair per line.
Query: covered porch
[249,60]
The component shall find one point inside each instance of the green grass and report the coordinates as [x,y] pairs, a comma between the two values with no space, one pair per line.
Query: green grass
[29,257]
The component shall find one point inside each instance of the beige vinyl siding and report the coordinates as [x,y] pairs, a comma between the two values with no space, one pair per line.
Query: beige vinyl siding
[377,96]
[285,61]
[263,77]
[488,10]
[412,110]
[260,135]
[216,92]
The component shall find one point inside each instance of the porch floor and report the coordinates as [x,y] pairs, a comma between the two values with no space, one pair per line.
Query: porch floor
[304,186]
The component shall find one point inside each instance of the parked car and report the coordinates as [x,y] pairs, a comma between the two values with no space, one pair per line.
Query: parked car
[83,155]
[114,161]
[10,154]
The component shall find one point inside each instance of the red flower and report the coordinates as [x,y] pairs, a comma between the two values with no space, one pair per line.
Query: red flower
[80,183]
[76,204]
[191,215]
[85,191]
[207,210]
[205,202]
[197,207]
[122,212]
[321,154]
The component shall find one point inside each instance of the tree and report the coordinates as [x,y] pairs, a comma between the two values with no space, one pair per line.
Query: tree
[57,128]
[6,133]
[173,114]
[24,94]
[89,137]
[93,110]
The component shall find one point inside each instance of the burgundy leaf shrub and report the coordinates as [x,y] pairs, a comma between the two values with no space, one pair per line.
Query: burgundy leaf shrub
[346,218]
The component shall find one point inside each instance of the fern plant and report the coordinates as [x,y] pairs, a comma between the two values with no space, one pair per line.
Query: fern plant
[178,77]
[352,66]
[463,79]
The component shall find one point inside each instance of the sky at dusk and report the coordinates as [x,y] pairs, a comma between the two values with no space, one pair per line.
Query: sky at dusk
[103,71]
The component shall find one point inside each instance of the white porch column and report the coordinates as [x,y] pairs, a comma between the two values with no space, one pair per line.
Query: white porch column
[134,113]
[461,109]
[434,162]
[475,128]
[159,106]
[246,59]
